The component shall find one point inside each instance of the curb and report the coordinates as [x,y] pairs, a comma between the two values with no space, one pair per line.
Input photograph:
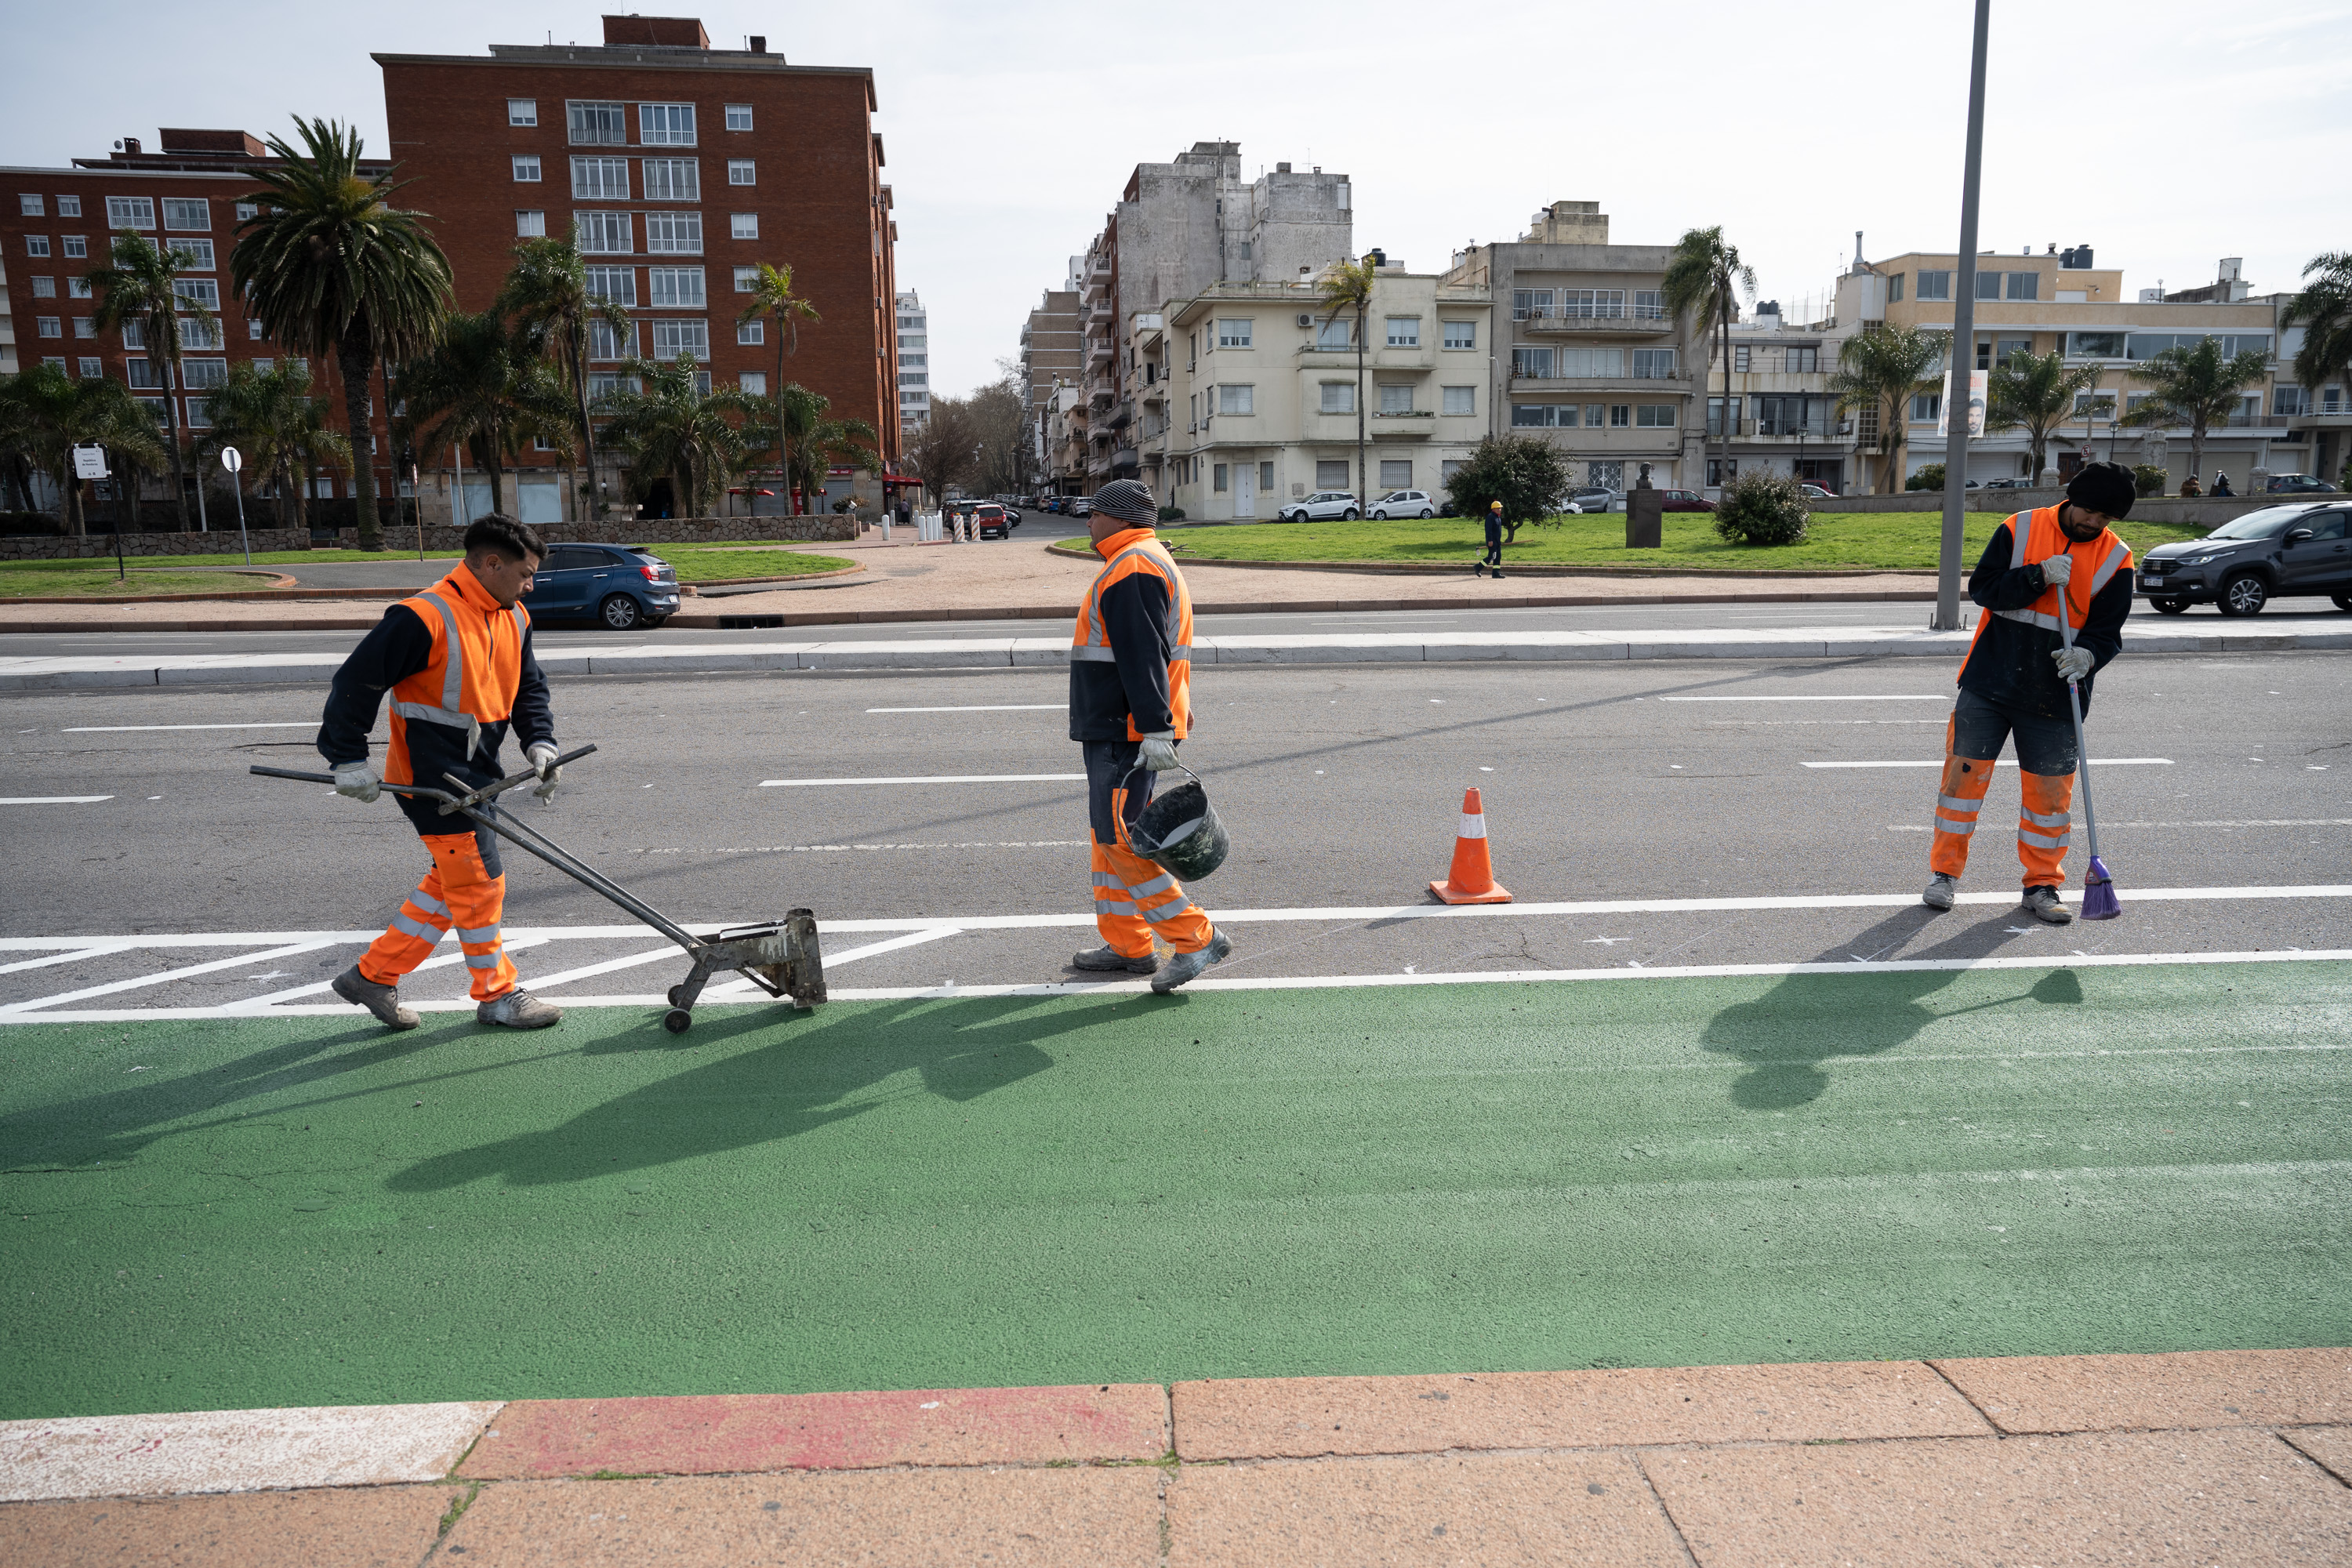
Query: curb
[1534,568]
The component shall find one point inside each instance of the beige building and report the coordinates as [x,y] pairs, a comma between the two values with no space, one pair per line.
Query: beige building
[1785,420]
[1257,393]
[2061,301]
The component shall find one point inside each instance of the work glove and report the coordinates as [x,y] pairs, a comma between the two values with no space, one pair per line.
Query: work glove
[541,755]
[2056,569]
[358,780]
[1159,752]
[2073,663]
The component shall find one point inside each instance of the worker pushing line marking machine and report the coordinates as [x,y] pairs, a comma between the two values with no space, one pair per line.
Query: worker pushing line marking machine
[781,959]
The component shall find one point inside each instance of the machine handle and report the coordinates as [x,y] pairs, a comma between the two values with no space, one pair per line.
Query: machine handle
[529,775]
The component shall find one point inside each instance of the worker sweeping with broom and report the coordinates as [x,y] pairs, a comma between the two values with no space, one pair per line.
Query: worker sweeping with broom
[2055,584]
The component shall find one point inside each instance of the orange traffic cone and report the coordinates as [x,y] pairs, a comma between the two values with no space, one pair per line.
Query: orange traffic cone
[1472,880]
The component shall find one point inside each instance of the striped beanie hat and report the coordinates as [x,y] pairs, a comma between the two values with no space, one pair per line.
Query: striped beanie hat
[1129,500]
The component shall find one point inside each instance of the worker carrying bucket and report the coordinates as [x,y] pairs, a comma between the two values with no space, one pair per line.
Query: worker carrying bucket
[2054,584]
[1130,704]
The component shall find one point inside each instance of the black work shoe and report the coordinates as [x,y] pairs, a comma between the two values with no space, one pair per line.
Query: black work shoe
[1479,568]
[1185,967]
[1109,957]
[2044,905]
[383,1001]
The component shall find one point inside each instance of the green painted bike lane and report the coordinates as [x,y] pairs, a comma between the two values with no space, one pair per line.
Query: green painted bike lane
[1097,1188]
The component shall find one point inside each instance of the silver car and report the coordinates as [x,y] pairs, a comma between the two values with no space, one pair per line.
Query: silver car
[1320,506]
[1403,503]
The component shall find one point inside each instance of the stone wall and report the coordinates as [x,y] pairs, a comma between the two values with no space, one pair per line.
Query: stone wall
[2204,512]
[829,529]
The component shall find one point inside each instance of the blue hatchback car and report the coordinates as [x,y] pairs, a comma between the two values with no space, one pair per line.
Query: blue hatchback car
[625,587]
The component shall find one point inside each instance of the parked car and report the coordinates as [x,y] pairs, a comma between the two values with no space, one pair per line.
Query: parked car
[1816,492]
[2296,484]
[625,588]
[1403,503]
[1079,506]
[2297,550]
[1684,500]
[989,518]
[1319,506]
[1592,498]
[2009,484]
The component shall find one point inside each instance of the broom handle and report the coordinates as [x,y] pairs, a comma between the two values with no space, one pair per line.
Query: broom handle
[2081,751]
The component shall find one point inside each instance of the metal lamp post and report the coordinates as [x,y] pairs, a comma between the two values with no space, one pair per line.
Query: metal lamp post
[1959,360]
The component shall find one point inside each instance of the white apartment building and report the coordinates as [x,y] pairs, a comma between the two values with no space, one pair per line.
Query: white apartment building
[914,365]
[1255,400]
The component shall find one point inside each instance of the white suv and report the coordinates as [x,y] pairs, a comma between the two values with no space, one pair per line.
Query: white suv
[1404,503]
[1321,506]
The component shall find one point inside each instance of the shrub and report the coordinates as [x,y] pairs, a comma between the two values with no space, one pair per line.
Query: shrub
[2148,480]
[1929,477]
[1762,509]
[1524,472]
[1171,514]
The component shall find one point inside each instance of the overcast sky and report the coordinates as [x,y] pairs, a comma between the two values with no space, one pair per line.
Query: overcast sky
[2167,134]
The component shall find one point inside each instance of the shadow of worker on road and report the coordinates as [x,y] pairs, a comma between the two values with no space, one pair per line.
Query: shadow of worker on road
[1784,1035]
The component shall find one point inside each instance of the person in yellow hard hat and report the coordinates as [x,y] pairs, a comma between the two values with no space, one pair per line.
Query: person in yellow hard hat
[1494,556]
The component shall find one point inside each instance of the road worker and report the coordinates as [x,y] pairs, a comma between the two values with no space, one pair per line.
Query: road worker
[457,661]
[1494,556]
[2053,560]
[1131,703]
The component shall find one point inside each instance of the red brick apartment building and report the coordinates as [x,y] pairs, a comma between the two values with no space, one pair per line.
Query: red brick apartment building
[680,166]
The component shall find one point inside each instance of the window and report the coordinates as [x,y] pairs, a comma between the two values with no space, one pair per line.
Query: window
[202,335]
[204,374]
[1595,415]
[1330,473]
[44,288]
[1339,397]
[666,124]
[89,369]
[1802,360]
[597,179]
[2102,404]
[1404,331]
[1620,414]
[2286,400]
[197,420]
[134,334]
[187,212]
[129,212]
[52,326]
[606,343]
[672,339]
[530,223]
[1585,303]
[2025,285]
[85,327]
[204,292]
[754,381]
[141,372]
[1448,468]
[69,207]
[2095,345]
[253,331]
[673,180]
[674,287]
[37,244]
[1459,399]
[1217,478]
[743,172]
[2008,349]
[1936,284]
[1527,302]
[1654,364]
[1236,399]
[747,279]
[1604,363]
[247,209]
[738,117]
[1396,473]
[1894,288]
[1396,399]
[1741,354]
[77,246]
[526,168]
[1655,416]
[605,234]
[523,111]
[1649,305]
[751,331]
[1265,479]
[31,207]
[913,362]
[2147,345]
[1926,407]
[1234,335]
[1461,334]
[196,254]
[674,234]
[617,284]
[1988,285]
[1714,415]
[78,289]
[1533,364]
[598,124]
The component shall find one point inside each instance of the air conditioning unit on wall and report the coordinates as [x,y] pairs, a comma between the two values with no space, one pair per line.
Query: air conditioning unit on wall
[1306,319]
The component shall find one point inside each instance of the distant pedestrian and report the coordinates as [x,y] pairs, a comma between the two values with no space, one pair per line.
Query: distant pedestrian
[1494,556]
[2222,484]
[906,512]
[2190,488]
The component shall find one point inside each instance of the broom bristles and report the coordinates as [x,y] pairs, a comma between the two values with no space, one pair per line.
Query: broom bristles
[2099,901]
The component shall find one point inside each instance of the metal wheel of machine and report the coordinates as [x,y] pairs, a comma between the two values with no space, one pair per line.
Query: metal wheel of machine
[2170,607]
[2341,601]
[2244,594]
[678,995]
[677,1020]
[620,613]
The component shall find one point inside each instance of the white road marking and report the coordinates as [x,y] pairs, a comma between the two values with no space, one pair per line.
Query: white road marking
[845,848]
[61,958]
[53,799]
[2279,822]
[1888,697]
[1937,763]
[982,708]
[268,1003]
[288,950]
[939,779]
[123,729]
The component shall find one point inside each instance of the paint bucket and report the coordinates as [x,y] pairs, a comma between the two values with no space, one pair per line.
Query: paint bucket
[1180,831]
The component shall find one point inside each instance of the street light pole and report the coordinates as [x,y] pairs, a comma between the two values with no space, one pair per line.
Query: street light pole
[1959,359]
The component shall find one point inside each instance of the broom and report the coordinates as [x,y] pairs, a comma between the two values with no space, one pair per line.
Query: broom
[2099,902]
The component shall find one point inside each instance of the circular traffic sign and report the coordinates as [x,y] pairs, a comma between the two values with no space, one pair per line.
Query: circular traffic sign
[232,459]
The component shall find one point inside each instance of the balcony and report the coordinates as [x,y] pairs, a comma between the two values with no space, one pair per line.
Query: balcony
[1416,426]
[1625,325]
[1122,416]
[1099,310]
[1100,391]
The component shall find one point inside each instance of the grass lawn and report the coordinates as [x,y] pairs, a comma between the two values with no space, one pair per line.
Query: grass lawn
[185,574]
[86,578]
[699,564]
[1887,539]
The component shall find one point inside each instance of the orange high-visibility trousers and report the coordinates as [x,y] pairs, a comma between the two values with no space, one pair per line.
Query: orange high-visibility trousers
[1134,898]
[2045,819]
[460,890]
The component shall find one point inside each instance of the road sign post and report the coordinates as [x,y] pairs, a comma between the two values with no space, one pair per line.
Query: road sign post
[89,463]
[1963,343]
[232,460]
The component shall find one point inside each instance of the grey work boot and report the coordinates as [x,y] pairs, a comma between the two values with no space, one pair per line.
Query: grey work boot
[2044,905]
[1109,957]
[1185,967]
[1941,892]
[383,1001]
[518,1009]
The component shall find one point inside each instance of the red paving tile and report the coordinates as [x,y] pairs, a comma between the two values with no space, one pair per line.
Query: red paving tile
[2139,1392]
[1488,1508]
[1303,1417]
[1078,1515]
[339,1528]
[534,1439]
[2184,1499]
[2330,1448]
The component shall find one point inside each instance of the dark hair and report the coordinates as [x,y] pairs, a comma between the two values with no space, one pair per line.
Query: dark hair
[503,535]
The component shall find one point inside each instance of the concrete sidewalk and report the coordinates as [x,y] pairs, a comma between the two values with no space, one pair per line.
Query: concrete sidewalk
[82,671]
[2235,1457]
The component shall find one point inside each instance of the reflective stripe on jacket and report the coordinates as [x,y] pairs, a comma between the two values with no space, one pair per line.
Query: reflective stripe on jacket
[1131,649]
[473,674]
[2008,658]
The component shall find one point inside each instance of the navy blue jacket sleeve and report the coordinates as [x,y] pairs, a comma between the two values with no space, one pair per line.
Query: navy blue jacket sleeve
[1136,611]
[1996,585]
[534,714]
[395,649]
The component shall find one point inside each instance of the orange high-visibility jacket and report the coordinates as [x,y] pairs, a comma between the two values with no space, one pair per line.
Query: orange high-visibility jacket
[2009,656]
[1131,651]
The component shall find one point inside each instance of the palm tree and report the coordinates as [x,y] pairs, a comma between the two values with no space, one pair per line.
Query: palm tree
[1346,286]
[2323,310]
[673,429]
[773,298]
[2196,387]
[330,266]
[48,414]
[807,440]
[2037,391]
[1883,367]
[482,384]
[1701,276]
[269,417]
[141,286]
[547,293]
